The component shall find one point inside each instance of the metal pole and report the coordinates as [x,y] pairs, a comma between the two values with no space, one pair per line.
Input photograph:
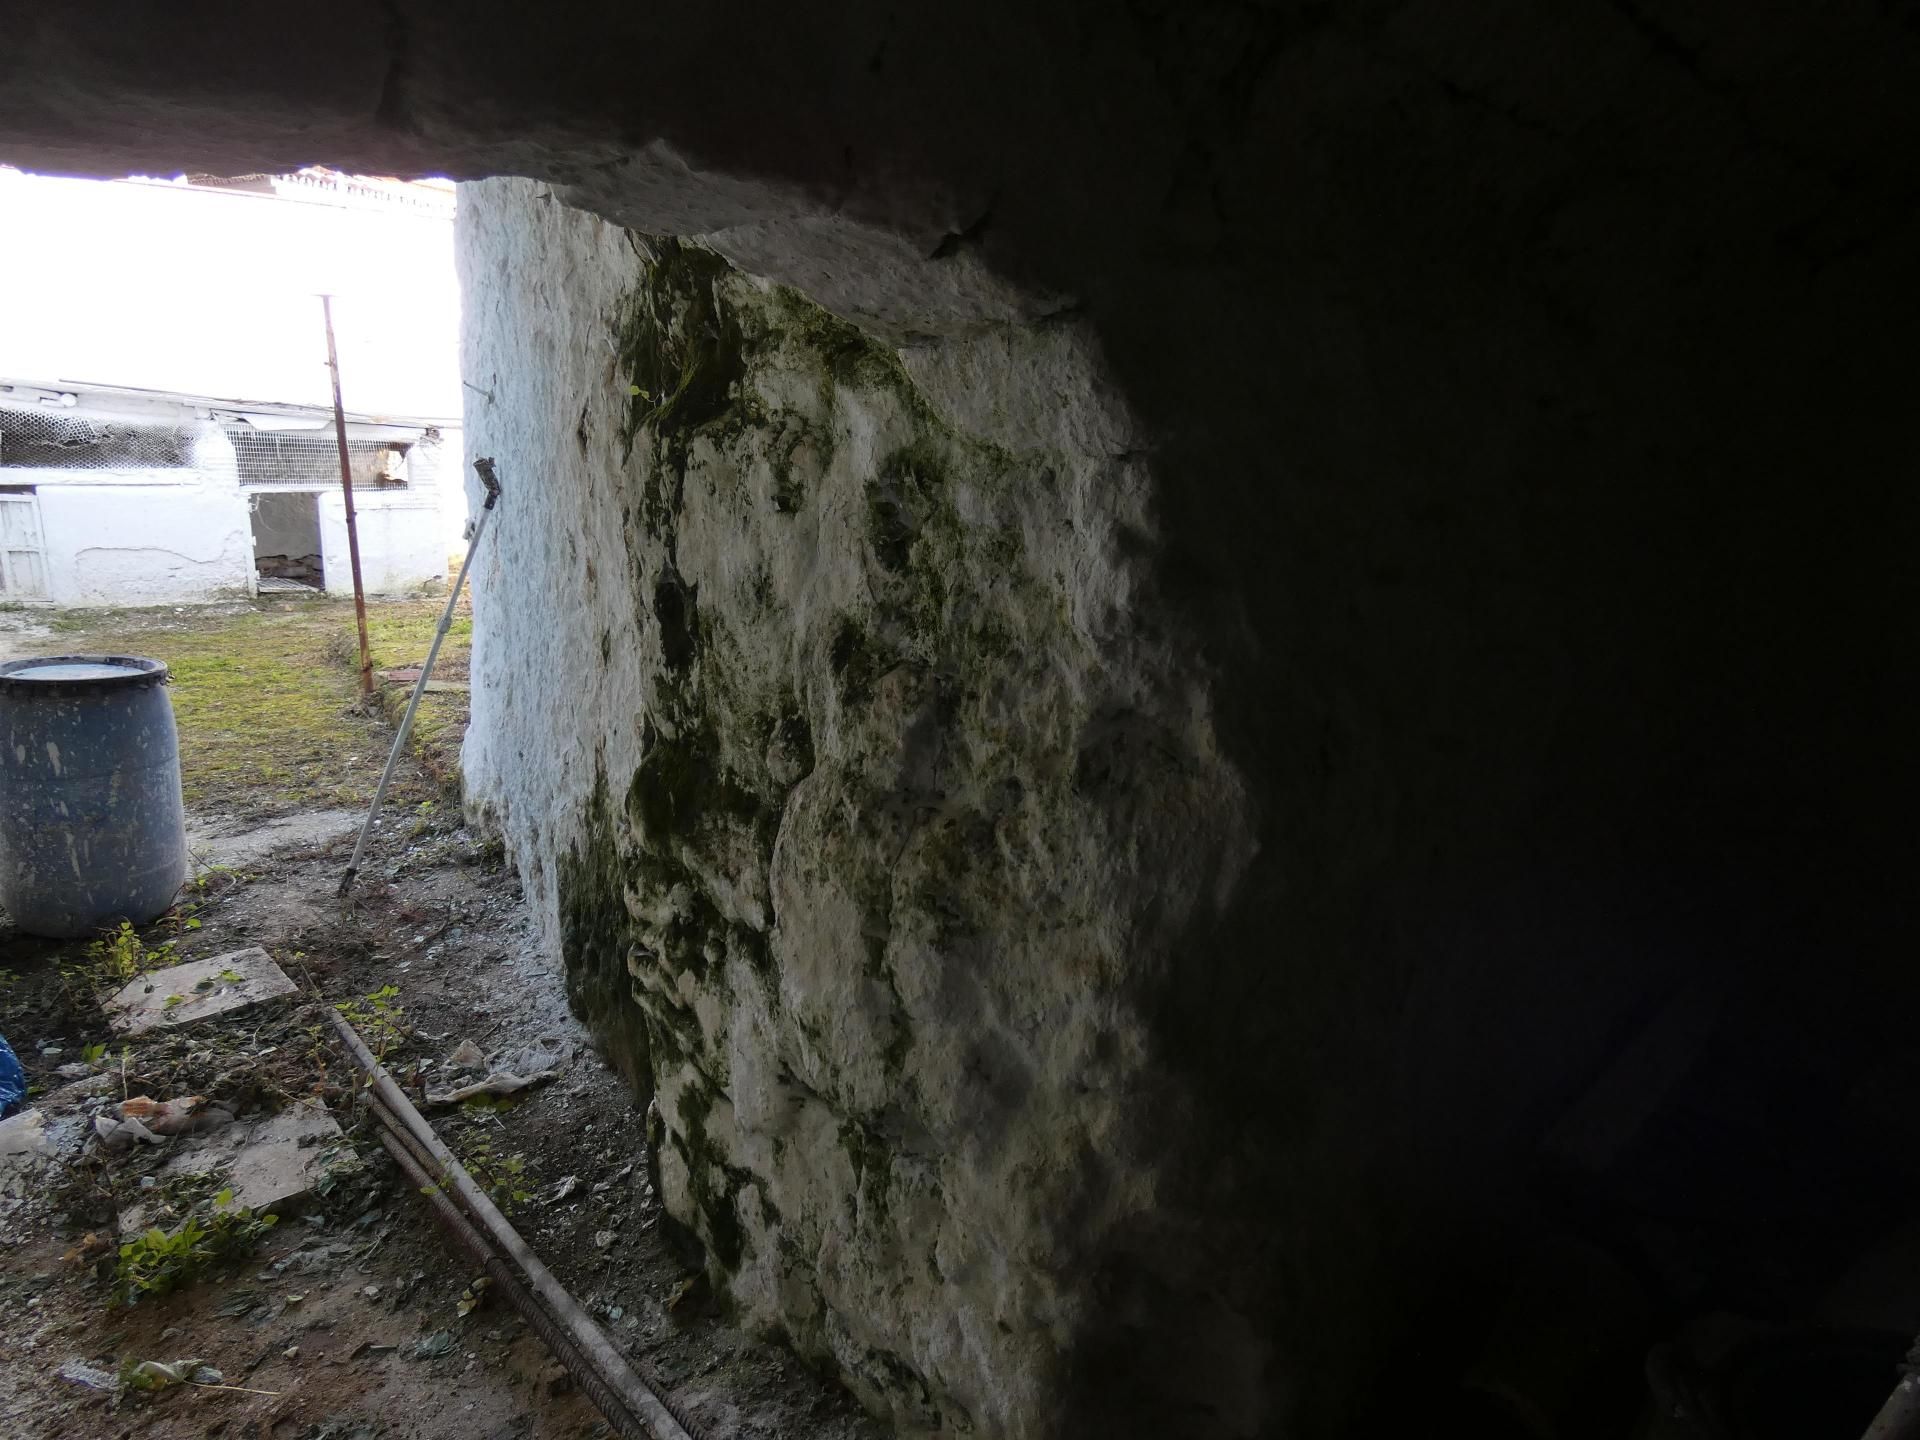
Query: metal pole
[417,1167]
[346,490]
[645,1403]
[484,468]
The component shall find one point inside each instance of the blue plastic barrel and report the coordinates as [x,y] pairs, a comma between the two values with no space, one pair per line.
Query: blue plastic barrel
[92,830]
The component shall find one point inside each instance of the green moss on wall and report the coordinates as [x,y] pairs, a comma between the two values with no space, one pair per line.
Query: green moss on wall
[679,341]
[747,401]
[596,938]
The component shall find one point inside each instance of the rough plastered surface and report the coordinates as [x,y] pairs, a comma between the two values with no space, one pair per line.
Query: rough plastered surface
[862,786]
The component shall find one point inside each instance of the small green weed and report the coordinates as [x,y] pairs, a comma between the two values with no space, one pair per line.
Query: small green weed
[160,1261]
[121,954]
[380,1019]
[112,960]
[507,1179]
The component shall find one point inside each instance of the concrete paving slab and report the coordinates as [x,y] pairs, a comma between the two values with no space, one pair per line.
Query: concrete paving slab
[213,844]
[270,1164]
[186,994]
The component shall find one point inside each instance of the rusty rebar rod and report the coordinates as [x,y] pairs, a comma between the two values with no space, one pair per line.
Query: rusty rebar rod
[640,1398]
[393,1135]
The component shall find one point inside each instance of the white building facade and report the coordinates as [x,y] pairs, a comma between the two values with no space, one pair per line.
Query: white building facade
[113,496]
[135,306]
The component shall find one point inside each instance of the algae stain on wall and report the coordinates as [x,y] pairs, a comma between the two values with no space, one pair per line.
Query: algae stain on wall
[855,889]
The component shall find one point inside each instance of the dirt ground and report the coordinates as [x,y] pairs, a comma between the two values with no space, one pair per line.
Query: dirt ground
[347,1321]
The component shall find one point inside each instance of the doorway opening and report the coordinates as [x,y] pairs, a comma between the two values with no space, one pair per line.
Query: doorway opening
[287,548]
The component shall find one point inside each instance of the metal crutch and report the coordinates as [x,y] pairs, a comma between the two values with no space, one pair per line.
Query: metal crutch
[484,469]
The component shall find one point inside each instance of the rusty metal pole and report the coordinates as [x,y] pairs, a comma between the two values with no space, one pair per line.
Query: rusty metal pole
[346,490]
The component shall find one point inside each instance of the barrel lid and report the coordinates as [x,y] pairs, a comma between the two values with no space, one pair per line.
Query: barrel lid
[79,674]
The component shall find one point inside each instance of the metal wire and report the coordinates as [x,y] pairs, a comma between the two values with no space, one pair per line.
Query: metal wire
[303,457]
[40,439]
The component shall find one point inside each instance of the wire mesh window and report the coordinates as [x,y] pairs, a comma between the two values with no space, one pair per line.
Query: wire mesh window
[312,457]
[55,440]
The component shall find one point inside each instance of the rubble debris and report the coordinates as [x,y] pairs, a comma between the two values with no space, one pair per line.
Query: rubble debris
[498,1083]
[434,1346]
[75,1091]
[239,1303]
[76,1372]
[154,1375]
[268,1164]
[31,1141]
[182,995]
[23,1134]
[466,1056]
[600,1187]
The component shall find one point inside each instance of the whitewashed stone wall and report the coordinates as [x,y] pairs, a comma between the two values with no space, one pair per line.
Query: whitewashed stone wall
[862,787]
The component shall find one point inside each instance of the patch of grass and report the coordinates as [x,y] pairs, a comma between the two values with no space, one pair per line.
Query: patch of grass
[400,634]
[267,724]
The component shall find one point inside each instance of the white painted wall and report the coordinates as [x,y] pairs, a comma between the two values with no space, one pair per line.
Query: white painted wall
[146,537]
[402,549]
[144,543]
[186,535]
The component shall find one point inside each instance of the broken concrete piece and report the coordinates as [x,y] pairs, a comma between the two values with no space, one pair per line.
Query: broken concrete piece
[93,1086]
[269,1163]
[198,990]
[30,1143]
[23,1145]
[212,847]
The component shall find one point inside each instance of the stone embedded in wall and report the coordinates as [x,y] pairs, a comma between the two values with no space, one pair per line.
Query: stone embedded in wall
[877,880]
